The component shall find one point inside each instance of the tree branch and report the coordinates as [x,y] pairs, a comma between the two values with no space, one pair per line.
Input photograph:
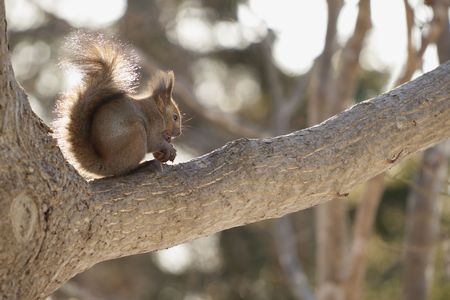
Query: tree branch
[69,226]
[375,133]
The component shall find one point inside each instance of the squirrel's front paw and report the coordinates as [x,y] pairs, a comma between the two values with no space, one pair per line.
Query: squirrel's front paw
[166,154]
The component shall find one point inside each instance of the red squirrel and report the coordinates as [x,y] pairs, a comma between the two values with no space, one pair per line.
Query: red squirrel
[101,128]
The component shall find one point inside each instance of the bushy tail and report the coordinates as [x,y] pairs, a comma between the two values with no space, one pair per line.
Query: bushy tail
[109,70]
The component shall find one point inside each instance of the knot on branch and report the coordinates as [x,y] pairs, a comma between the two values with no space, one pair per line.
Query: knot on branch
[24,217]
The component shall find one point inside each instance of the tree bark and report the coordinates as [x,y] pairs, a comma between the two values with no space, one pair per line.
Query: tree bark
[55,224]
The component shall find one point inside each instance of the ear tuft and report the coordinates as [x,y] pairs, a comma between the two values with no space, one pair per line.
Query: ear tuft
[170,82]
[161,84]
[161,87]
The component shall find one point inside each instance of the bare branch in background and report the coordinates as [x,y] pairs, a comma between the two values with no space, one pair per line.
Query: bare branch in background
[283,233]
[322,73]
[183,89]
[273,79]
[411,53]
[298,95]
[353,275]
[320,83]
[414,59]
[331,218]
[229,122]
[443,41]
[423,214]
[285,242]
[376,185]
[344,82]
[422,223]
[284,107]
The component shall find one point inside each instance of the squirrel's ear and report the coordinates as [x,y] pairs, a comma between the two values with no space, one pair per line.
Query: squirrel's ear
[161,86]
[170,83]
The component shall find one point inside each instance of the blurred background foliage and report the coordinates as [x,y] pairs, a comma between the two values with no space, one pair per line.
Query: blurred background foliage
[226,56]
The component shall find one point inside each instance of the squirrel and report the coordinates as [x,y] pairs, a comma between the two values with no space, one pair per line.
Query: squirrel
[100,127]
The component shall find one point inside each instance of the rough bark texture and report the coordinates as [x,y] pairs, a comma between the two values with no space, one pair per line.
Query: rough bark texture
[55,224]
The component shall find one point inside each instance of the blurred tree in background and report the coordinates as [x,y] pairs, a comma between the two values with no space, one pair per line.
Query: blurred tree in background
[236,77]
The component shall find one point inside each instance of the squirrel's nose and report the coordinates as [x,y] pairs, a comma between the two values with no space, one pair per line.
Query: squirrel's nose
[176,131]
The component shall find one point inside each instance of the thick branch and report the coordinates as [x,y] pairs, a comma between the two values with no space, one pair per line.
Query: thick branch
[251,180]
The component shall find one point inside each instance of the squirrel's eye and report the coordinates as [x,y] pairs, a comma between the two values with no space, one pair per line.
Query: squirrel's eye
[175,117]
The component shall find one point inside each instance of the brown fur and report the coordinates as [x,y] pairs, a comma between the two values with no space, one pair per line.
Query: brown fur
[101,128]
